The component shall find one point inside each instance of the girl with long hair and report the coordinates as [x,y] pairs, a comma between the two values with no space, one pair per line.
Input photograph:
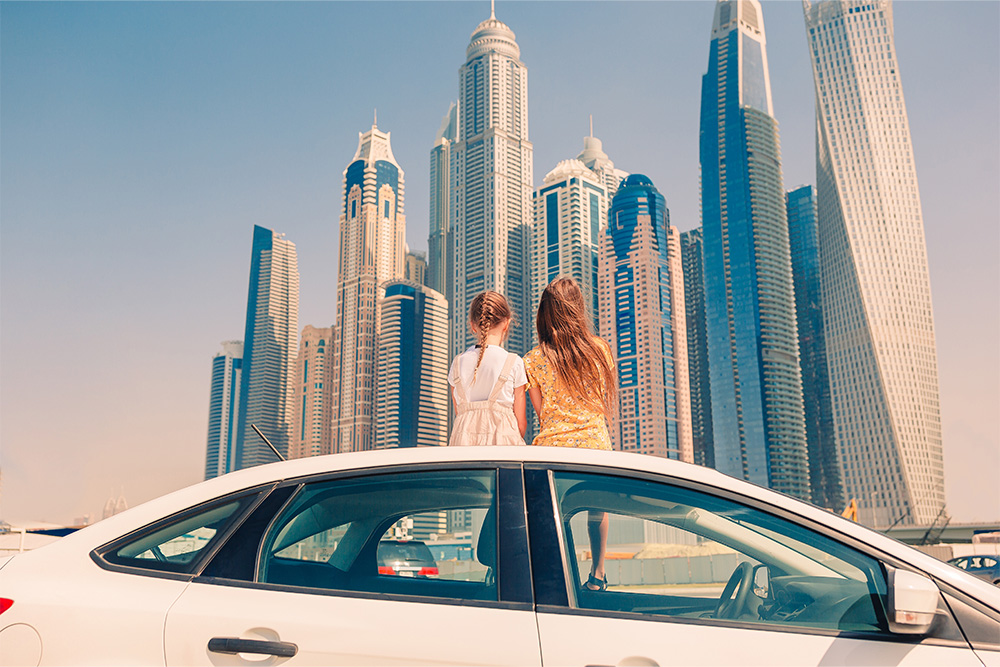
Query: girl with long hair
[488,383]
[572,385]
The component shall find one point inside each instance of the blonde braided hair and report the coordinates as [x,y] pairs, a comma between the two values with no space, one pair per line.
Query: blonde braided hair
[488,310]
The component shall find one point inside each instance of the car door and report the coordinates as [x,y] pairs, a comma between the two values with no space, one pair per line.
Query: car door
[697,577]
[300,581]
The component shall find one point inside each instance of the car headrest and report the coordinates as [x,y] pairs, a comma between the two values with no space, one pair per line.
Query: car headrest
[486,547]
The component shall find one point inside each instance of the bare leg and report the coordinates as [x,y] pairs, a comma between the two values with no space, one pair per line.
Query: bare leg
[597,531]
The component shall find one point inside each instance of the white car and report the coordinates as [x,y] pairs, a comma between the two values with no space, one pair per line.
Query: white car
[278,565]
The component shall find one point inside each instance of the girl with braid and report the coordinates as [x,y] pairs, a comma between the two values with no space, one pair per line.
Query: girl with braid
[572,384]
[488,383]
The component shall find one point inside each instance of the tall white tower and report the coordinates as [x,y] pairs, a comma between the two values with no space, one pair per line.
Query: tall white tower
[492,182]
[372,228]
[873,268]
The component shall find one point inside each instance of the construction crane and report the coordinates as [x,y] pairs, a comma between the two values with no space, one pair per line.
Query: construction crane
[851,511]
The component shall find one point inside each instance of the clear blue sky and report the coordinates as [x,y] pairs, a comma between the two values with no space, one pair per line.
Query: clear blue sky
[140,143]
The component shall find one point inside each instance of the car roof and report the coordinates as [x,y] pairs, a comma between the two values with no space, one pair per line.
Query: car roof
[152,510]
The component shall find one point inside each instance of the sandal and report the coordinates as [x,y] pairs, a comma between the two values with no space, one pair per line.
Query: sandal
[595,584]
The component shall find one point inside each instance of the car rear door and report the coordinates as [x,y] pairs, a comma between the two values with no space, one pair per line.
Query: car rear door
[299,581]
[685,585]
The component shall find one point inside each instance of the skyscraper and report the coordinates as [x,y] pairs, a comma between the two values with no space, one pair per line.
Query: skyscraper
[415,267]
[440,246]
[223,409]
[313,400]
[873,268]
[269,348]
[413,391]
[492,182]
[757,415]
[642,318]
[372,226]
[571,208]
[697,348]
[595,159]
[824,470]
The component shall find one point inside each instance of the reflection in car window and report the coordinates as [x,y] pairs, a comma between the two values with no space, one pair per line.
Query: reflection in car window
[676,552]
[175,547]
[430,533]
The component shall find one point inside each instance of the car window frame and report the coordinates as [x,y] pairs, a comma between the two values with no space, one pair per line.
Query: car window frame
[252,496]
[513,561]
[561,600]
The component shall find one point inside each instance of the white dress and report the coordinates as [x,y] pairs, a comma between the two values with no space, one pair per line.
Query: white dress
[490,421]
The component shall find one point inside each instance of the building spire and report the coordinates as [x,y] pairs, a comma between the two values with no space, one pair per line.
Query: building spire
[493,7]
[375,120]
[591,126]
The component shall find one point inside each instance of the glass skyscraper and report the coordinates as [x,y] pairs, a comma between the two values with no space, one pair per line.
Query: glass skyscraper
[697,348]
[873,266]
[372,227]
[269,347]
[571,208]
[313,398]
[440,246]
[641,292]
[757,414]
[223,409]
[413,359]
[824,470]
[491,181]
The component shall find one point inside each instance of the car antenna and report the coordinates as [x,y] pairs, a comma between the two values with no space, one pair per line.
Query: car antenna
[264,438]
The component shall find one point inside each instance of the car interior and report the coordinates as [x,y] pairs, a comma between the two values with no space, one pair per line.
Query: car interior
[354,516]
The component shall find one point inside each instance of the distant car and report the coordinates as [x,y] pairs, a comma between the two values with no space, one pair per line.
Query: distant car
[280,564]
[407,558]
[984,567]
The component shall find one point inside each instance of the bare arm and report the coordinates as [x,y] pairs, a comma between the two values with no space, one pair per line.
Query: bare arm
[519,409]
[536,401]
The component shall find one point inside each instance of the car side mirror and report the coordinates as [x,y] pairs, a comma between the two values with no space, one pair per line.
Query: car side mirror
[762,582]
[913,602]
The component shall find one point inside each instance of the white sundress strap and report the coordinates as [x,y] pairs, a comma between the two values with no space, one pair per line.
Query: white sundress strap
[502,378]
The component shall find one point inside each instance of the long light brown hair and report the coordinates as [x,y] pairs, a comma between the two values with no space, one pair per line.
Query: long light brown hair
[581,360]
[488,309]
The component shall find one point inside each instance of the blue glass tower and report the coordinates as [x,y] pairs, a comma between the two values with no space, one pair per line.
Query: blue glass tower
[803,238]
[641,293]
[270,344]
[694,302]
[223,409]
[757,413]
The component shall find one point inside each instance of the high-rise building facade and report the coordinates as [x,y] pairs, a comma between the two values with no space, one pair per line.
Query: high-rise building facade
[697,348]
[413,392]
[757,414]
[571,208]
[595,159]
[372,228]
[803,239]
[440,243]
[223,409]
[415,267]
[641,293]
[877,308]
[491,181]
[269,347]
[313,400]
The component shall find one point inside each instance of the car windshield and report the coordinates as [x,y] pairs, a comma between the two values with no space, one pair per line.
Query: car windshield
[408,551]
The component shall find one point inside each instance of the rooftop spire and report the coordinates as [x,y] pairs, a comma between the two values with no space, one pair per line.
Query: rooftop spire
[375,121]
[591,125]
[493,7]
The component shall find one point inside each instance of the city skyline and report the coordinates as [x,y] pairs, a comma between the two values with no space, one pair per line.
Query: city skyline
[557,131]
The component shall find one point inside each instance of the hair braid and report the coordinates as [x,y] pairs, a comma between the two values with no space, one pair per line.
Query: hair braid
[487,310]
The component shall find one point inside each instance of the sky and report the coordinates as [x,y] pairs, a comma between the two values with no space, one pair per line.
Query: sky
[141,142]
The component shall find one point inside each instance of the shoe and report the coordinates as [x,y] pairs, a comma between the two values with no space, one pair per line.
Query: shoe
[595,584]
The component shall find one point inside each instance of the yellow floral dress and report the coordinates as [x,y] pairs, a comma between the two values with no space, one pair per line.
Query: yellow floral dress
[565,422]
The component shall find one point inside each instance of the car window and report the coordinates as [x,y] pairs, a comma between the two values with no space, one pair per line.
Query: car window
[175,546]
[430,533]
[672,551]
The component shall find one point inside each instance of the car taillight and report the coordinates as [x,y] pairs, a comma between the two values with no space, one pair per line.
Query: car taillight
[386,569]
[5,604]
[428,572]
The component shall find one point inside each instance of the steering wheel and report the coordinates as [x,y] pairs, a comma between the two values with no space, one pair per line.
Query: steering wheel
[740,582]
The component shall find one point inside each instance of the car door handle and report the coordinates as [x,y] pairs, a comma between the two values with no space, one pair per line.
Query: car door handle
[234,645]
